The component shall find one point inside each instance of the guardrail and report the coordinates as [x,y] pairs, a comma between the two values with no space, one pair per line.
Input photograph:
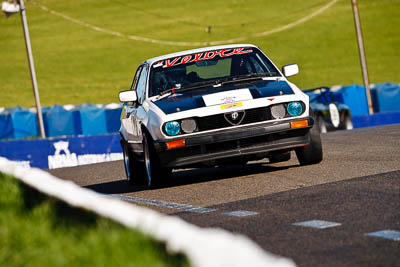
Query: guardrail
[203,247]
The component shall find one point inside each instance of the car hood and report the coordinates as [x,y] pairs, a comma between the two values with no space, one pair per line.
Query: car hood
[194,99]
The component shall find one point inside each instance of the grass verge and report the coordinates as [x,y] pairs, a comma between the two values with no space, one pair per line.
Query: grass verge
[36,230]
[76,64]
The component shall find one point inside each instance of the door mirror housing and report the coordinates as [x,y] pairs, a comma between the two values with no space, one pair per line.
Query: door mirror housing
[290,70]
[127,96]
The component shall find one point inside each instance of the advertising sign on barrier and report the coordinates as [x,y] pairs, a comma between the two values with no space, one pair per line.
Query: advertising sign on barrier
[62,152]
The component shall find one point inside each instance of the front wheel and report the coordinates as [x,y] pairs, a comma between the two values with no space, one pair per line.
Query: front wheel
[155,172]
[312,153]
[134,169]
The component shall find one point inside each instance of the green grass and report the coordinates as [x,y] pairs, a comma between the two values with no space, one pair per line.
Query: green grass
[39,231]
[77,65]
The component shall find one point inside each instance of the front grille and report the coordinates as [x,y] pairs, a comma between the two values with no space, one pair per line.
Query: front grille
[218,121]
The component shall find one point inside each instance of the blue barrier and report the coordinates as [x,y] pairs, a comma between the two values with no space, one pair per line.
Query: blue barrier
[354,97]
[386,97]
[6,128]
[324,95]
[93,119]
[24,122]
[376,119]
[113,114]
[58,121]
[54,153]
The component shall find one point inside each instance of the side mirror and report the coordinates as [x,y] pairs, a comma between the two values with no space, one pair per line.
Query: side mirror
[290,70]
[127,96]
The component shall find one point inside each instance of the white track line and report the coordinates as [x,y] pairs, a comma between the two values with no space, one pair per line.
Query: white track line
[163,42]
[159,203]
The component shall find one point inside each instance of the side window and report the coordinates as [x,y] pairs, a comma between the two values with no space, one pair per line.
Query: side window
[135,80]
[141,85]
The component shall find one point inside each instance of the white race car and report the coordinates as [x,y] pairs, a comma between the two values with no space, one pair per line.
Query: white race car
[213,106]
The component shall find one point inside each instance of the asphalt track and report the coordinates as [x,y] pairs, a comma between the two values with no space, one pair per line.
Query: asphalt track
[356,188]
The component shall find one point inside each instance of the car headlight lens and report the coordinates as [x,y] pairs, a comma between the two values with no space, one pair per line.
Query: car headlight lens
[278,111]
[295,108]
[188,125]
[172,128]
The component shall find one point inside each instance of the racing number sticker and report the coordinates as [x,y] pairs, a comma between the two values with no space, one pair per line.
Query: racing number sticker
[228,97]
[335,118]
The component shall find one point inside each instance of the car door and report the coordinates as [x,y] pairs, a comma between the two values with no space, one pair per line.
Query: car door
[140,114]
[130,108]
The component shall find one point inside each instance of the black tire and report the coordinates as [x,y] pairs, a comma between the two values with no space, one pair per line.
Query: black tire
[155,173]
[134,170]
[312,153]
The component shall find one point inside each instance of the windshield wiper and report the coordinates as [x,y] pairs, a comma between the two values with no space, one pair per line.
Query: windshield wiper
[249,77]
[190,86]
[167,91]
[200,84]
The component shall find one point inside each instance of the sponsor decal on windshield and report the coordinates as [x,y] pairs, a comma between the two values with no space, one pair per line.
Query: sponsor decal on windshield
[201,56]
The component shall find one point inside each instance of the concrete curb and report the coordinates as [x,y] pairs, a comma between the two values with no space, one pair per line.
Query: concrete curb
[204,247]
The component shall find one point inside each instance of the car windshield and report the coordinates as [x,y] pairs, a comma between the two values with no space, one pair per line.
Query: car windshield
[194,70]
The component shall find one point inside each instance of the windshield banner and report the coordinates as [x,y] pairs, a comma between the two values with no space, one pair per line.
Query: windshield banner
[201,56]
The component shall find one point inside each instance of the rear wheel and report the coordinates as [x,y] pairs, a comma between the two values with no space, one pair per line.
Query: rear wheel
[155,172]
[312,153]
[134,170]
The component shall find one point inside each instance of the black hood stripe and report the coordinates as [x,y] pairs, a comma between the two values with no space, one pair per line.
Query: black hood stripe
[193,99]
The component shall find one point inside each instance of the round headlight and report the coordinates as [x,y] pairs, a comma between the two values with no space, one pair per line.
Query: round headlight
[295,108]
[278,111]
[172,128]
[188,125]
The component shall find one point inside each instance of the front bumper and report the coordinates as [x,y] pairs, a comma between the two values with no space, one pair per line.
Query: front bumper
[261,138]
